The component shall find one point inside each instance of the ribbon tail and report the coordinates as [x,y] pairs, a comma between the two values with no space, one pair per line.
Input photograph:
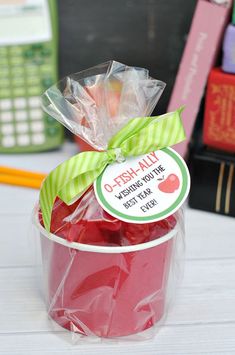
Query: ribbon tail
[70,180]
[75,188]
[160,132]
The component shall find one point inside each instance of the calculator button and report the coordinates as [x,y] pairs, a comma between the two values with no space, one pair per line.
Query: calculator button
[4,83]
[5,104]
[5,93]
[45,69]
[28,53]
[36,114]
[34,90]
[38,61]
[8,141]
[31,69]
[4,72]
[36,46]
[15,50]
[21,115]
[18,81]
[22,127]
[16,71]
[17,60]
[46,52]
[23,139]
[33,80]
[3,61]
[7,129]
[20,102]
[6,116]
[19,91]
[38,138]
[34,101]
[3,51]
[37,126]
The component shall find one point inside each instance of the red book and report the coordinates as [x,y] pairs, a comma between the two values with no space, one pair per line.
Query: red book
[219,117]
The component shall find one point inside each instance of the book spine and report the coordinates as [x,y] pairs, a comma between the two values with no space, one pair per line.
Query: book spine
[219,116]
[198,58]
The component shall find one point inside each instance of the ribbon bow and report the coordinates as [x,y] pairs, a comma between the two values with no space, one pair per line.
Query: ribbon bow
[141,135]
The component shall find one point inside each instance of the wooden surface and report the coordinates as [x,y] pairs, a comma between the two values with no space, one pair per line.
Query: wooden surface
[202,320]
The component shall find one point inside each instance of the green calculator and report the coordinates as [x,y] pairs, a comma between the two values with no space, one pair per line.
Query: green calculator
[28,66]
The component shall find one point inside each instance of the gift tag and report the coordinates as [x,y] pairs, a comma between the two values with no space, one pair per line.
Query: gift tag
[144,189]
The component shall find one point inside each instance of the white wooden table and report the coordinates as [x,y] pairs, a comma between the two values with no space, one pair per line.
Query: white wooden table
[202,320]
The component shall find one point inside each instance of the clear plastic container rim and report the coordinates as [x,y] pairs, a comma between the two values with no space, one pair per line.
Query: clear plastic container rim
[99,248]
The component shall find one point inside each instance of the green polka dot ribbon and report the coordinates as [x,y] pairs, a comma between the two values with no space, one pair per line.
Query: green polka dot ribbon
[139,136]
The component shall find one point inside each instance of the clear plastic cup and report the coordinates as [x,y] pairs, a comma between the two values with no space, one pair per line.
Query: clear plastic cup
[104,290]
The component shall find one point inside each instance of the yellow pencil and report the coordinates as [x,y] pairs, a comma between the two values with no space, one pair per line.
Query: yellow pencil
[19,172]
[20,177]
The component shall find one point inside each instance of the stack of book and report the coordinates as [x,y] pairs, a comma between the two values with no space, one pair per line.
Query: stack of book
[212,156]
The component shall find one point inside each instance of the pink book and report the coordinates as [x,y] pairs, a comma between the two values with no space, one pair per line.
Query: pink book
[203,43]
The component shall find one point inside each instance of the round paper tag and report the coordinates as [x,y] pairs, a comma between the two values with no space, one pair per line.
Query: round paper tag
[144,189]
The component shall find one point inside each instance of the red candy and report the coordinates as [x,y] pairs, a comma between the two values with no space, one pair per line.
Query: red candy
[86,222]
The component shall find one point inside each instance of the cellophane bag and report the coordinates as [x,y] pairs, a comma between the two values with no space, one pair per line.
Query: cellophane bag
[106,278]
